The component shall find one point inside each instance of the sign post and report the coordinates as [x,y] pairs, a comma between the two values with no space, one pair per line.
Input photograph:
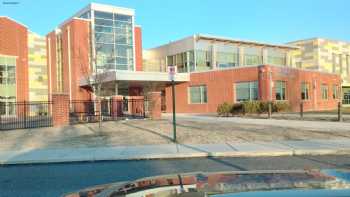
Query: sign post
[172,72]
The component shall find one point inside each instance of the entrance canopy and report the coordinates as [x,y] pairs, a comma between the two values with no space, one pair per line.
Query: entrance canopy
[133,76]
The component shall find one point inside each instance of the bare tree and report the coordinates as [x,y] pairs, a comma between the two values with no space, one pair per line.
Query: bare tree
[94,77]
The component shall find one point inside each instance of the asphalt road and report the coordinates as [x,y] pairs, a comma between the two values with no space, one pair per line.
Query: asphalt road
[56,179]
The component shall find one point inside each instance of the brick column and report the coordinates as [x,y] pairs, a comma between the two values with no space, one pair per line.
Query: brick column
[136,105]
[155,105]
[60,109]
[117,106]
[264,83]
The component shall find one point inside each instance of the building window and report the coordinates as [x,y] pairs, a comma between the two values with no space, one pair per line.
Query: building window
[59,69]
[348,65]
[280,90]
[335,92]
[198,94]
[203,60]
[305,91]
[7,85]
[114,41]
[340,63]
[276,57]
[252,56]
[246,91]
[324,91]
[334,61]
[226,55]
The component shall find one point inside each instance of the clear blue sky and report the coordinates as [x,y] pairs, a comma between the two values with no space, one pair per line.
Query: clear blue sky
[276,21]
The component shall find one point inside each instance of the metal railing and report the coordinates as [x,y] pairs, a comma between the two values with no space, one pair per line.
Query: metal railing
[82,111]
[22,115]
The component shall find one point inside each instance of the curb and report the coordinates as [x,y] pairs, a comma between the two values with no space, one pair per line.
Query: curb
[93,158]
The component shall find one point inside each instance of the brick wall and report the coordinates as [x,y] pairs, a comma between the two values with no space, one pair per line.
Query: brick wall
[60,109]
[155,105]
[76,41]
[14,42]
[220,88]
[138,48]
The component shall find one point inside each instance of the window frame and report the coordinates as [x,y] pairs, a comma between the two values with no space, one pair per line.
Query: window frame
[283,88]
[203,93]
[305,86]
[251,90]
[324,92]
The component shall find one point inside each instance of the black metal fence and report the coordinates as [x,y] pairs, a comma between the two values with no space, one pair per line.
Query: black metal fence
[82,111]
[22,115]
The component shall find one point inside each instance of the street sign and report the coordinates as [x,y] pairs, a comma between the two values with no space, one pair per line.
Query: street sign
[172,70]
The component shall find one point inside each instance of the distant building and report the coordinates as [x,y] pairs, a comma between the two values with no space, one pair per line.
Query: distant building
[327,56]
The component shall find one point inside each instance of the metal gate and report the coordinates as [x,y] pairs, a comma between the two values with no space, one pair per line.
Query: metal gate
[84,111]
[22,115]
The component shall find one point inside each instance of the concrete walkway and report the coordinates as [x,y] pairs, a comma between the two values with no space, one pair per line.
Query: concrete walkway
[167,151]
[298,124]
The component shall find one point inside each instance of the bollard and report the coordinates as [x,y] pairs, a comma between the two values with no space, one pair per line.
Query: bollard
[340,113]
[301,110]
[269,110]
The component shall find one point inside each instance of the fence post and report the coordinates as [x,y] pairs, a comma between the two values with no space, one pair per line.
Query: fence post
[25,114]
[301,110]
[340,113]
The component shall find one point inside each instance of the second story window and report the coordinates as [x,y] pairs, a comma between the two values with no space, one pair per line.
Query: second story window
[305,91]
[335,92]
[324,91]
[280,90]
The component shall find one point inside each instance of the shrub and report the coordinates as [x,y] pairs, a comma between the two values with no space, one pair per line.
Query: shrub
[251,107]
[237,108]
[281,106]
[224,109]
[263,107]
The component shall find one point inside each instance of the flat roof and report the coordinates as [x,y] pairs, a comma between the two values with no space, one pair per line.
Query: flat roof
[318,38]
[239,41]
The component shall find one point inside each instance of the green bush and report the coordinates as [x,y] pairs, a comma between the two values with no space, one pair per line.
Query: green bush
[281,106]
[263,107]
[224,109]
[251,107]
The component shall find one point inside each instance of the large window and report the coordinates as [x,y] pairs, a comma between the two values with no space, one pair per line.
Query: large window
[114,41]
[335,92]
[252,56]
[276,57]
[246,91]
[226,55]
[198,94]
[203,60]
[305,91]
[7,84]
[324,91]
[280,90]
[7,70]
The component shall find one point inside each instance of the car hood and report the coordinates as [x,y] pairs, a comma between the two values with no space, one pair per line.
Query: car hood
[203,184]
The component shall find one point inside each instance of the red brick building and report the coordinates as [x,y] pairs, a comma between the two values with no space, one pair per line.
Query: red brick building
[98,51]
[13,48]
[221,86]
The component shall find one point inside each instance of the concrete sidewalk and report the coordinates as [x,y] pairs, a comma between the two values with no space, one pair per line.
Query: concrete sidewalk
[297,124]
[167,151]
